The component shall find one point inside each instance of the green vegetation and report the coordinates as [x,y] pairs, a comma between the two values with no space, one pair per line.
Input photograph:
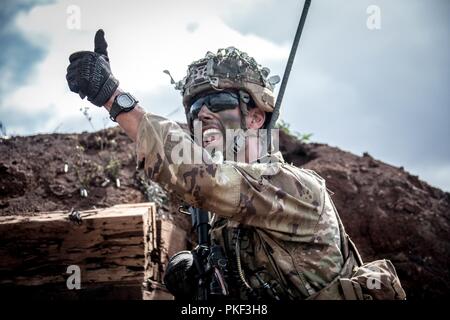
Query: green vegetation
[85,112]
[285,127]
[85,169]
[112,169]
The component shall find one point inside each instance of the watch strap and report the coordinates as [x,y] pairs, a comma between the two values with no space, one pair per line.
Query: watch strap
[116,109]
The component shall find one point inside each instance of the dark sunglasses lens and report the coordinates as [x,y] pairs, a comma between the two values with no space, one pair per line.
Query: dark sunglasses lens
[223,101]
[215,102]
[196,106]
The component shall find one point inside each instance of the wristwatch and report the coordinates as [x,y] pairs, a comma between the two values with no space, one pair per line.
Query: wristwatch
[123,102]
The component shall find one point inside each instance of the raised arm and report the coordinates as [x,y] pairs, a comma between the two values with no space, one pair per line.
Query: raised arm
[128,121]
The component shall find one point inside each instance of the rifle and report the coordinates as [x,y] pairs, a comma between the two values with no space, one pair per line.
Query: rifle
[209,260]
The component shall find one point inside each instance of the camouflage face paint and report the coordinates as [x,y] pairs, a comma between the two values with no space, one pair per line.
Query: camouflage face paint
[215,126]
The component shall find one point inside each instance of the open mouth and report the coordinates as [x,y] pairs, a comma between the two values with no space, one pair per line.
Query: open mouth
[211,135]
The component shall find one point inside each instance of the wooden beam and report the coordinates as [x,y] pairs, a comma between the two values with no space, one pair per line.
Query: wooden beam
[163,239]
[117,250]
[108,247]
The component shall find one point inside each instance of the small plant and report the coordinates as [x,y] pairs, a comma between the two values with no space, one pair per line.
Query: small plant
[286,128]
[152,191]
[112,169]
[85,112]
[103,136]
[85,169]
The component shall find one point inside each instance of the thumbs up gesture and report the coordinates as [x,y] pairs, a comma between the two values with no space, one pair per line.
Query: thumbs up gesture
[89,73]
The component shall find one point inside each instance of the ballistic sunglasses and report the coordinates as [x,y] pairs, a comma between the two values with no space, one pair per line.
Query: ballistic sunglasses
[215,102]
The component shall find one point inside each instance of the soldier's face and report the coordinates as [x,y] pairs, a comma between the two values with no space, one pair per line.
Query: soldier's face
[215,124]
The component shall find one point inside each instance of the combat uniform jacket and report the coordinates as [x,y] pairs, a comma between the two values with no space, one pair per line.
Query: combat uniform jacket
[291,237]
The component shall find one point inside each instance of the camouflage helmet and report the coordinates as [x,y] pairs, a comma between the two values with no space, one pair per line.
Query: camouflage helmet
[228,69]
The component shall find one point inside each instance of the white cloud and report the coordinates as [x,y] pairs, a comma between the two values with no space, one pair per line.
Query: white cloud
[144,38]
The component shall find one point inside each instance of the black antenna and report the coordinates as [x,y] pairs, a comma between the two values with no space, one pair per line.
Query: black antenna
[287,71]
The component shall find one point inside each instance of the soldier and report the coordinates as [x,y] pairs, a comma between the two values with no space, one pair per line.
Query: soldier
[275,223]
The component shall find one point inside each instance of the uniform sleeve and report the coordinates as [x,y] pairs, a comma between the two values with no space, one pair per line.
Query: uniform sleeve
[172,159]
[234,190]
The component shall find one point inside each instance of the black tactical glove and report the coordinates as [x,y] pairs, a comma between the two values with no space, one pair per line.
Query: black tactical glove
[89,73]
[180,276]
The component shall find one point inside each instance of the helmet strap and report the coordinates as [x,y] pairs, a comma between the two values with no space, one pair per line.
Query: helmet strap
[244,98]
[239,141]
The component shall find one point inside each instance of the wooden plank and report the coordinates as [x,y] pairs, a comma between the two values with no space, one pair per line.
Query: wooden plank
[108,246]
[164,239]
[117,250]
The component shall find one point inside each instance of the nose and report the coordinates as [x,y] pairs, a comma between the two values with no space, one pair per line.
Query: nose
[205,114]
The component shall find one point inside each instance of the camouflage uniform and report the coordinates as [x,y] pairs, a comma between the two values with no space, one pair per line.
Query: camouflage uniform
[292,239]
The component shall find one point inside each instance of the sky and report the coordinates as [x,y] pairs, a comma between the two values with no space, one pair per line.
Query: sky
[369,76]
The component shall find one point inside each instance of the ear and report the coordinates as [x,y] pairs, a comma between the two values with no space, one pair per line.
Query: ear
[255,118]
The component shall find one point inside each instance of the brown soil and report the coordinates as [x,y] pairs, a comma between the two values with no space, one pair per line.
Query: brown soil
[388,212]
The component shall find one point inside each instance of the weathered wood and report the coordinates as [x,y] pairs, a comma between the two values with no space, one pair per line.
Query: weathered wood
[117,249]
[108,246]
[163,239]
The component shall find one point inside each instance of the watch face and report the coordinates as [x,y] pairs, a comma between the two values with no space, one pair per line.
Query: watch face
[125,101]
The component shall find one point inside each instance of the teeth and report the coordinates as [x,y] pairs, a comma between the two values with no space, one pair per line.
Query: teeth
[210,132]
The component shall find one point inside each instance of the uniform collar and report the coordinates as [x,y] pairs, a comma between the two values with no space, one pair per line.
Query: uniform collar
[270,158]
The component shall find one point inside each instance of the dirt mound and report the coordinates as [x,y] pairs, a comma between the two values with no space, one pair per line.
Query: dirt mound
[388,212]
[33,177]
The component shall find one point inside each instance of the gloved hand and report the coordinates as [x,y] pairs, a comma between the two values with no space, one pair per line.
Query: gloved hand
[180,277]
[89,73]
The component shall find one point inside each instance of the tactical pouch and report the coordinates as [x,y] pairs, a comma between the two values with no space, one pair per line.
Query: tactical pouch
[376,280]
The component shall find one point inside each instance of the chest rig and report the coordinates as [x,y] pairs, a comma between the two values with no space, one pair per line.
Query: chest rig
[246,277]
